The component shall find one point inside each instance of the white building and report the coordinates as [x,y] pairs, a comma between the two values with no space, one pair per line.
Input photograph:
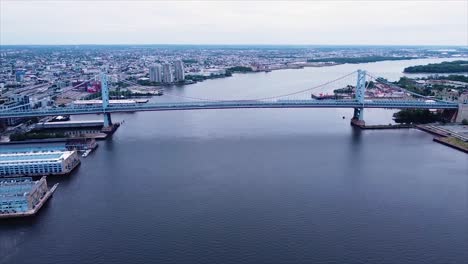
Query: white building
[34,162]
[179,71]
[155,73]
[167,73]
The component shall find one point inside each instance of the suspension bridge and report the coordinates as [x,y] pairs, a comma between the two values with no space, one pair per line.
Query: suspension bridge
[358,103]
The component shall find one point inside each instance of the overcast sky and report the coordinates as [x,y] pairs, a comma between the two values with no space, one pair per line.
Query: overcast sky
[234,22]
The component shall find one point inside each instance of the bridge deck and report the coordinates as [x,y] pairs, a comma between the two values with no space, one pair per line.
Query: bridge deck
[80,109]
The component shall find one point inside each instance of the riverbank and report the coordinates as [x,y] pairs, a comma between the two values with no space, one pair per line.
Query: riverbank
[453,67]
[446,137]
[453,143]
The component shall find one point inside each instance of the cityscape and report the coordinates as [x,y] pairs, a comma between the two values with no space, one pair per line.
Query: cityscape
[233,152]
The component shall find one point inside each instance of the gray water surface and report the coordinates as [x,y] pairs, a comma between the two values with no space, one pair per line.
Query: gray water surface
[254,186]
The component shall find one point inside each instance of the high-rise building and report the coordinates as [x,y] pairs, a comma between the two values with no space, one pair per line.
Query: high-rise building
[179,71]
[155,73]
[19,75]
[167,73]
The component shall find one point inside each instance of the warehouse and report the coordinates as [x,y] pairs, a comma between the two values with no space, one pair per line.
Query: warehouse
[37,162]
[23,196]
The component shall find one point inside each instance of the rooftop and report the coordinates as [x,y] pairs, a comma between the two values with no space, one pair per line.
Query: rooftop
[15,187]
[122,101]
[31,149]
[42,156]
[75,122]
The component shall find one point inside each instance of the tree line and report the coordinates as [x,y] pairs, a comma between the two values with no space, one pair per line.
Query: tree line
[443,67]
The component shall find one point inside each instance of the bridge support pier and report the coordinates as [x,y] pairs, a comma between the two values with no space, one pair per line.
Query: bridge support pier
[107,120]
[358,117]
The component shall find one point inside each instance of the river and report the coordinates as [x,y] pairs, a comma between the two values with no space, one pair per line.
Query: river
[255,186]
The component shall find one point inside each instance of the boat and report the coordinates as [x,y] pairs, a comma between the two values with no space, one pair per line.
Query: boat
[327,96]
[86,153]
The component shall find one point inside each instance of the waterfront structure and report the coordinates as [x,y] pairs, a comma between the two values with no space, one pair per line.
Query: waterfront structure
[70,124]
[179,71]
[81,144]
[155,73]
[167,73]
[75,128]
[22,196]
[35,162]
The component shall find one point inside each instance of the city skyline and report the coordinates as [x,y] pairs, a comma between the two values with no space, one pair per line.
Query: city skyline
[238,23]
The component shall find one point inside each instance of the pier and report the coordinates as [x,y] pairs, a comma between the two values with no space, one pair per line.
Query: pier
[22,197]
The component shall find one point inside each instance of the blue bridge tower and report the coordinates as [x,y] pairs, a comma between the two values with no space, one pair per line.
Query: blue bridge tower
[105,101]
[358,117]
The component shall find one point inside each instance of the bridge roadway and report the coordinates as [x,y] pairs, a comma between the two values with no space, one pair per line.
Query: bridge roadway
[240,104]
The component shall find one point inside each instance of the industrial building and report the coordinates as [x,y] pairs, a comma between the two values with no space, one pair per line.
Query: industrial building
[37,162]
[22,196]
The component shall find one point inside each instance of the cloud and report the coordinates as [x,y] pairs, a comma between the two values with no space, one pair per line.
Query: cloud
[236,22]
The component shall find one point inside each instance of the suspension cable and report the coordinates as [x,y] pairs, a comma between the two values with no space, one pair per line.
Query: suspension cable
[305,90]
[255,99]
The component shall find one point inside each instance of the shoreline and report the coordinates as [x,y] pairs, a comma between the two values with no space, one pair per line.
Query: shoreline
[443,137]
[448,141]
[296,67]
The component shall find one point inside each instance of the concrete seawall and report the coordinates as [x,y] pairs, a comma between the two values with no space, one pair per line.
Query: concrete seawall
[444,141]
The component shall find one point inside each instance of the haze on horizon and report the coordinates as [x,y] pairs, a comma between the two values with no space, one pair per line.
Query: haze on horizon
[234,22]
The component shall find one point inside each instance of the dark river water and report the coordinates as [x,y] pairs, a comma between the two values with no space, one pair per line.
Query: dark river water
[255,186]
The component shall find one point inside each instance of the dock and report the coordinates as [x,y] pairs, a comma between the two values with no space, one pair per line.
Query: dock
[389,126]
